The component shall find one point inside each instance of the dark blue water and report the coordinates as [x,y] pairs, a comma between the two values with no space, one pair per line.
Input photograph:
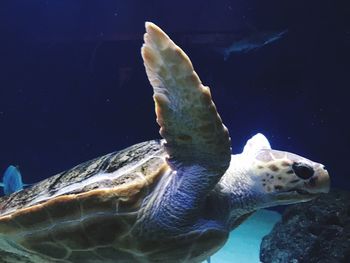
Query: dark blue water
[73,86]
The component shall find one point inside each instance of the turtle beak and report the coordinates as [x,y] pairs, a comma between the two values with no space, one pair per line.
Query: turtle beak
[319,183]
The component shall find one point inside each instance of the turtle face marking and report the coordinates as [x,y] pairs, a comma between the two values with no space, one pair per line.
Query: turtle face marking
[273,168]
[289,177]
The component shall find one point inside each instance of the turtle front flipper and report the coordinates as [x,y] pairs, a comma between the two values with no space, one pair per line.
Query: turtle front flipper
[188,118]
[197,142]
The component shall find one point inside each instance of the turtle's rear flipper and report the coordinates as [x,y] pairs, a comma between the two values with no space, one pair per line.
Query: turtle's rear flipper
[189,122]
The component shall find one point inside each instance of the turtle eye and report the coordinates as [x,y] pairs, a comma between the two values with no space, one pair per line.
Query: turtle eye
[303,170]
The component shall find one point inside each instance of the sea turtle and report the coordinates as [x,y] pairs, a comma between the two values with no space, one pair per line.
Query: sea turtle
[169,200]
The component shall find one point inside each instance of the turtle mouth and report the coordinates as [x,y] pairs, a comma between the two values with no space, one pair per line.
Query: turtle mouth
[296,195]
[302,192]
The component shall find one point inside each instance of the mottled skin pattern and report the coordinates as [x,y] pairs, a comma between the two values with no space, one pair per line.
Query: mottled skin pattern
[174,200]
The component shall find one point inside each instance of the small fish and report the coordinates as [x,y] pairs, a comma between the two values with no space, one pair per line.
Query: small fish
[208,260]
[12,180]
[252,42]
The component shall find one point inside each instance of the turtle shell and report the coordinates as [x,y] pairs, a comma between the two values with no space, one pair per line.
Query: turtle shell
[84,214]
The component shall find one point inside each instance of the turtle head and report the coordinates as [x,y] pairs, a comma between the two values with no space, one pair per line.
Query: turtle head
[261,177]
[283,177]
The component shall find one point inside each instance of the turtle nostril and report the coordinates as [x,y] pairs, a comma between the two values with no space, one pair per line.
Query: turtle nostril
[303,170]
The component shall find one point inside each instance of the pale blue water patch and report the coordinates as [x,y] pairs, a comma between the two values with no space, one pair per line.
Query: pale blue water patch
[243,245]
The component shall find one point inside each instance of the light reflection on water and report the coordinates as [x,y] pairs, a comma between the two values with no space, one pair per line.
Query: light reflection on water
[243,245]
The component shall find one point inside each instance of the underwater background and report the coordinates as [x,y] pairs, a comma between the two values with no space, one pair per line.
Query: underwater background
[73,85]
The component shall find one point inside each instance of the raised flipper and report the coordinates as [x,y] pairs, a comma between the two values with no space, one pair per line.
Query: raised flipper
[189,122]
[256,143]
[197,143]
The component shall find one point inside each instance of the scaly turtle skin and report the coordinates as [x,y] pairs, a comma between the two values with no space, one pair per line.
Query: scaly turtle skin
[174,200]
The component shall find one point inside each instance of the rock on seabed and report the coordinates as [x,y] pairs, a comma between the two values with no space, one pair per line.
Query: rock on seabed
[311,232]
